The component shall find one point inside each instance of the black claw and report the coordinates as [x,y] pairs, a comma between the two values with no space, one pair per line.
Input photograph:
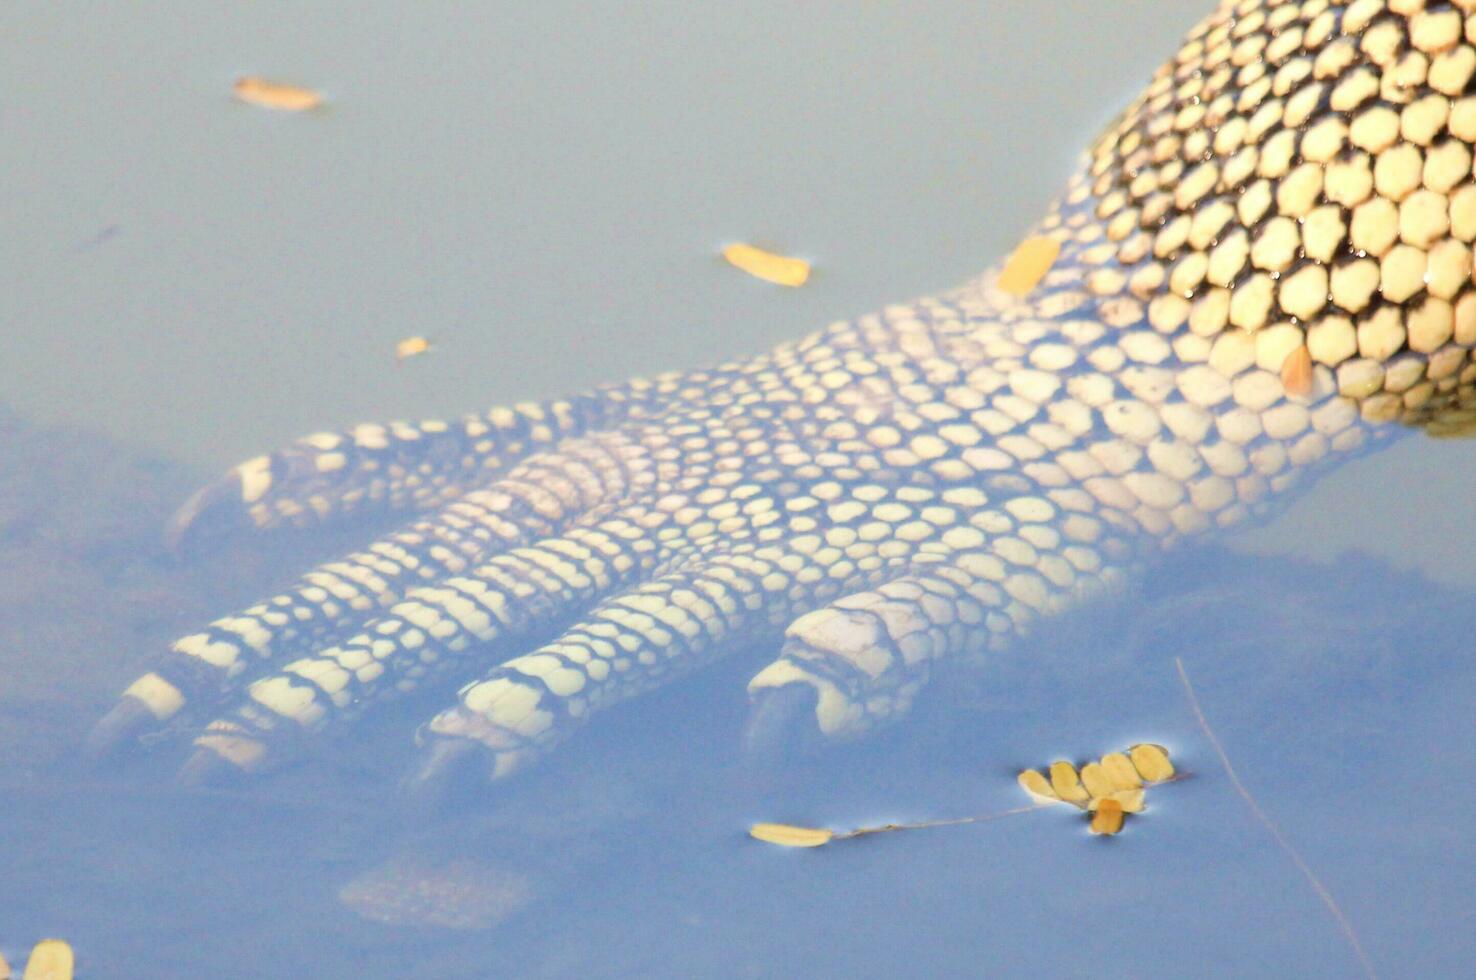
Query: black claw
[128,719]
[451,768]
[212,513]
[781,725]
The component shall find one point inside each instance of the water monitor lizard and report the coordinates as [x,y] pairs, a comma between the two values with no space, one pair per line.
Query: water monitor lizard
[1261,268]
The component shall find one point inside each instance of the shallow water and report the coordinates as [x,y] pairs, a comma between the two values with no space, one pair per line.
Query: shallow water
[542,191]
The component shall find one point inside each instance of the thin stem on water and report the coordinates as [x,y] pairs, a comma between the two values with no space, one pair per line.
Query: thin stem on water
[1332,906]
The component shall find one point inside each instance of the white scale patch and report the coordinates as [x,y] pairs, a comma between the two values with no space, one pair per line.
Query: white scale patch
[256,478]
[214,652]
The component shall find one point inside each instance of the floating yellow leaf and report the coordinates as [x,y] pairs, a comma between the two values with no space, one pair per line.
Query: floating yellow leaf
[1038,787]
[1067,783]
[787,835]
[276,95]
[1152,762]
[781,270]
[51,959]
[1108,818]
[1296,372]
[1119,769]
[1028,265]
[412,347]
[4,968]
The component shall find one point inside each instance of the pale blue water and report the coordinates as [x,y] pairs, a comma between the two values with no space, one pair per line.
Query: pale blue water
[542,191]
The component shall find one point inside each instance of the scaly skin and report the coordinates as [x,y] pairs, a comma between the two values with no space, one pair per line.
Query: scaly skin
[1264,268]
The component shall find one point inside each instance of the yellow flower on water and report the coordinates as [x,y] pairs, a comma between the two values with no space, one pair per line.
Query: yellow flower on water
[1113,783]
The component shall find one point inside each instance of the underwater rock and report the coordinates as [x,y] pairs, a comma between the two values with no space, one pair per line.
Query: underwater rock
[461,893]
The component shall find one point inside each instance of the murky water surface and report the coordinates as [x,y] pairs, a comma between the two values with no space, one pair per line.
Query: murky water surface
[541,189]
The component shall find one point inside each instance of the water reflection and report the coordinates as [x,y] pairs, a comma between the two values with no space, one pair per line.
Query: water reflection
[1340,692]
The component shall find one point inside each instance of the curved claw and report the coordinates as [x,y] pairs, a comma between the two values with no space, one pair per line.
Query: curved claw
[449,768]
[225,752]
[206,767]
[213,512]
[781,725]
[128,719]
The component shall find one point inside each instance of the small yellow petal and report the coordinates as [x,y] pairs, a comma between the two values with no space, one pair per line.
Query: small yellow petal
[1038,787]
[276,95]
[1119,769]
[1131,800]
[1028,265]
[1067,784]
[1108,818]
[1152,762]
[411,347]
[781,270]
[787,835]
[4,968]
[1096,780]
[51,959]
